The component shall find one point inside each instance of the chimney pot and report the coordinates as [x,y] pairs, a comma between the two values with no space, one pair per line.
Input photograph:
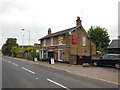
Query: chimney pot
[78,21]
[49,31]
[78,18]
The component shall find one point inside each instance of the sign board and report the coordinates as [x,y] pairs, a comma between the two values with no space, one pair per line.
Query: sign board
[60,39]
[52,61]
[52,47]
[73,39]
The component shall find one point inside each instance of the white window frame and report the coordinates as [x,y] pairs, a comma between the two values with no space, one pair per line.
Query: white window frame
[51,43]
[59,54]
[40,41]
[84,41]
[42,54]
[44,42]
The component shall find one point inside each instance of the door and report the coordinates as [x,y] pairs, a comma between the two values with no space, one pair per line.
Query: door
[50,54]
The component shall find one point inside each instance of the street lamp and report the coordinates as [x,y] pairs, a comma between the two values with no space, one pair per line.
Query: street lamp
[22,40]
[29,35]
[28,42]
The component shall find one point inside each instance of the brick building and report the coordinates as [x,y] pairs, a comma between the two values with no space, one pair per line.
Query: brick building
[69,45]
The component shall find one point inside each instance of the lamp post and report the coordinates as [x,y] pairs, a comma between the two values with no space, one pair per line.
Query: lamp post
[29,35]
[22,40]
[28,40]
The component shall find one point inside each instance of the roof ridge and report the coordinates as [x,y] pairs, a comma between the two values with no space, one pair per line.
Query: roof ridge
[59,32]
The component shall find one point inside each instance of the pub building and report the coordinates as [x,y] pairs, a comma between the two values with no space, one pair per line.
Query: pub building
[70,45]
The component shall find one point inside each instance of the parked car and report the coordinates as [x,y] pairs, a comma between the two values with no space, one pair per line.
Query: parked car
[108,60]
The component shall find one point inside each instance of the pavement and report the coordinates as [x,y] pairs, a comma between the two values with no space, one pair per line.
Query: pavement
[99,73]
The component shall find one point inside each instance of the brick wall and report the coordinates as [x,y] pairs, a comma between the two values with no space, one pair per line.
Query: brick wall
[71,51]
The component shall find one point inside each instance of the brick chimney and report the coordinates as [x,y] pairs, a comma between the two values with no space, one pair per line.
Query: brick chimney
[78,21]
[49,31]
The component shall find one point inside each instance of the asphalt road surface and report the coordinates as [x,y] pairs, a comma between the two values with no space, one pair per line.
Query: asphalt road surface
[20,74]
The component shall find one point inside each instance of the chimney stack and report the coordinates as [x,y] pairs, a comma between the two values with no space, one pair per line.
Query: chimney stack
[49,31]
[78,21]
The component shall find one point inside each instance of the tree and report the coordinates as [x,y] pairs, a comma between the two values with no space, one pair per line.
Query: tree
[99,48]
[15,50]
[7,47]
[99,36]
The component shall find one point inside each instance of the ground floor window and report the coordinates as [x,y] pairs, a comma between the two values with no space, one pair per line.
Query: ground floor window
[60,54]
[43,54]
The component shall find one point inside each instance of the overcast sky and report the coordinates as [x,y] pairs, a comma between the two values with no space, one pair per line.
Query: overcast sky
[39,15]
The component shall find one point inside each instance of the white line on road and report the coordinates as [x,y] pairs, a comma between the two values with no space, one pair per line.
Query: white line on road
[4,60]
[58,84]
[28,70]
[9,61]
[37,78]
[15,64]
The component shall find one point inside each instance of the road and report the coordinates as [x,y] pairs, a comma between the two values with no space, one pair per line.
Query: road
[20,74]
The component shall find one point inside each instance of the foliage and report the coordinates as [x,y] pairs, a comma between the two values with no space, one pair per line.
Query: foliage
[99,36]
[99,48]
[30,50]
[27,49]
[9,44]
[32,53]
[15,50]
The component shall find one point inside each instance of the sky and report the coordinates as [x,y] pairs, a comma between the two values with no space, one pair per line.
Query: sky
[37,16]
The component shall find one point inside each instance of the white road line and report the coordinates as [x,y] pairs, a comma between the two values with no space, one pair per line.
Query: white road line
[9,61]
[58,84]
[37,78]
[28,70]
[4,60]
[15,64]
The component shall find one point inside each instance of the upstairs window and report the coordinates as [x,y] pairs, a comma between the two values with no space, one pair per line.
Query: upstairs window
[44,43]
[60,40]
[51,40]
[84,41]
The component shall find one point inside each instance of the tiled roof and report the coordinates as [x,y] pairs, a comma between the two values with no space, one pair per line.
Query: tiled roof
[115,44]
[60,32]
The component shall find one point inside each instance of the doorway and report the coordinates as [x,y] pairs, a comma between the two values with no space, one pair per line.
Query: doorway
[50,54]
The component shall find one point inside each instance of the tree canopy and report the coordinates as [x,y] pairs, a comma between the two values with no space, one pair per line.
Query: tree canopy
[9,44]
[99,36]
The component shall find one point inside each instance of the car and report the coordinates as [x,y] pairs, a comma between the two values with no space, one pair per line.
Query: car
[108,60]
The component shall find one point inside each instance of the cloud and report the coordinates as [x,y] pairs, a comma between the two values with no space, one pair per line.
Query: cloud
[39,15]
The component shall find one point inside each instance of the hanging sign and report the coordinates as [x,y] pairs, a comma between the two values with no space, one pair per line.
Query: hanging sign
[60,39]
[52,47]
[73,39]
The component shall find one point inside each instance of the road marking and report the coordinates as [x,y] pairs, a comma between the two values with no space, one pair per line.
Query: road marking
[58,84]
[28,70]
[15,64]
[37,78]
[4,60]
[9,61]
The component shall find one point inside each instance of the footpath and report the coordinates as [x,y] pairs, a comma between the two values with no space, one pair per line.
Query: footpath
[100,73]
